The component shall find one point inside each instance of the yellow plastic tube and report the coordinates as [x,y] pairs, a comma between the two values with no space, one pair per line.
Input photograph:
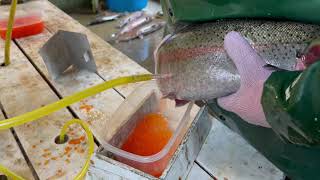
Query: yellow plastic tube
[48,109]
[82,173]
[13,8]
[9,32]
[9,174]
[86,128]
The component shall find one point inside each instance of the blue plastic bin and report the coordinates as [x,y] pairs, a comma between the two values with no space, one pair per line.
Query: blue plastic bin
[126,5]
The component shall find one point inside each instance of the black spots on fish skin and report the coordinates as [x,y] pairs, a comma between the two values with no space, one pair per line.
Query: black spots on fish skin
[298,36]
[225,28]
[237,28]
[264,36]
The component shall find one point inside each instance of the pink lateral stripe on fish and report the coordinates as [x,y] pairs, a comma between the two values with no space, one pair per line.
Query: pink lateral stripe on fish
[182,54]
[201,70]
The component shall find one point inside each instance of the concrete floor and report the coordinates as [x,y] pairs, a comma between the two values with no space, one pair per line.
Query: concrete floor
[140,50]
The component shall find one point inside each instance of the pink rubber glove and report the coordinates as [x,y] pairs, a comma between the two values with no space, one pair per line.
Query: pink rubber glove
[246,101]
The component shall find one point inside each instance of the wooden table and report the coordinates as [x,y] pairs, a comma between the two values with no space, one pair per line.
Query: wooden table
[30,150]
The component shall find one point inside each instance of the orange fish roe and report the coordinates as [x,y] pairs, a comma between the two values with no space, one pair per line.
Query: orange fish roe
[45,155]
[77,141]
[74,141]
[149,137]
[86,107]
[82,138]
[67,149]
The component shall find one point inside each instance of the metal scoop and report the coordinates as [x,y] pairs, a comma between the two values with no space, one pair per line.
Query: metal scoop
[67,50]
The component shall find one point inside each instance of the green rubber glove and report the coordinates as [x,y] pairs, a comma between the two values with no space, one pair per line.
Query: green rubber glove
[291,103]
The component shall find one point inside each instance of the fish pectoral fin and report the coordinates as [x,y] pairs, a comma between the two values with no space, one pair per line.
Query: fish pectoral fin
[272,67]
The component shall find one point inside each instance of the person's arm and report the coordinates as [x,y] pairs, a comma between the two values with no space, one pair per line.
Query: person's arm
[291,103]
[288,102]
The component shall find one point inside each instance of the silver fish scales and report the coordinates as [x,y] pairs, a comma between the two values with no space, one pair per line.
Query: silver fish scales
[199,68]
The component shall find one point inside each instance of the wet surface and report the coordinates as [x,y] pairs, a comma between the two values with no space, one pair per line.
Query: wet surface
[139,50]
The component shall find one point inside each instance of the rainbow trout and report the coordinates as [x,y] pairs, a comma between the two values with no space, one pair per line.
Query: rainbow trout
[195,66]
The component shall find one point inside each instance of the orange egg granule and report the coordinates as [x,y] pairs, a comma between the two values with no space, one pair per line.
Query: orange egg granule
[149,137]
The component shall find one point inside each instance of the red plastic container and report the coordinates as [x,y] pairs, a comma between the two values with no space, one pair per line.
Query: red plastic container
[23,26]
[28,19]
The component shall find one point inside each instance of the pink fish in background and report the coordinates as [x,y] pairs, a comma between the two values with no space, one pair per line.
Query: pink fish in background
[141,31]
[136,23]
[126,20]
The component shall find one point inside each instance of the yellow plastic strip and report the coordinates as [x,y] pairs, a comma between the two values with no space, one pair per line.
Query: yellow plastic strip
[4,170]
[9,32]
[86,128]
[48,109]
[9,174]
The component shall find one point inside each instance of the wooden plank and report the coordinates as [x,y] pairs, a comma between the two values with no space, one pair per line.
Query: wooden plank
[226,155]
[11,156]
[111,62]
[96,110]
[22,90]
[197,173]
